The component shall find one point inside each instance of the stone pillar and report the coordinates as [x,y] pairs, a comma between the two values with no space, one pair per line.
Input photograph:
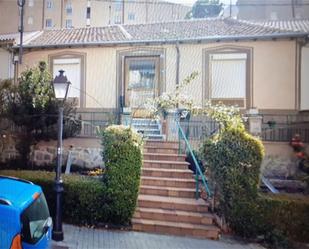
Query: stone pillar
[255,122]
[125,117]
[171,126]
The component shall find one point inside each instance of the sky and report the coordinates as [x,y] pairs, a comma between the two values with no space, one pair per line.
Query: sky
[190,2]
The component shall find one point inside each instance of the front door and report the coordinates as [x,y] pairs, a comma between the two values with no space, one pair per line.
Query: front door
[141,82]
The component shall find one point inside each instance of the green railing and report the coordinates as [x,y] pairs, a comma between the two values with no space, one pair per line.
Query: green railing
[198,172]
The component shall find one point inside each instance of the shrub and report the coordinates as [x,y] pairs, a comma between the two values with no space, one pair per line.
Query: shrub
[122,154]
[234,158]
[83,197]
[287,214]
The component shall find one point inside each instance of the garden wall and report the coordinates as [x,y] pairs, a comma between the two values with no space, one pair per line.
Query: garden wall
[279,161]
[85,152]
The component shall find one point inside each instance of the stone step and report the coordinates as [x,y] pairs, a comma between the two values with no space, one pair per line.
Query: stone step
[152,137]
[168,191]
[144,121]
[149,131]
[165,164]
[172,203]
[162,144]
[174,216]
[168,182]
[164,157]
[146,126]
[176,228]
[168,173]
[154,149]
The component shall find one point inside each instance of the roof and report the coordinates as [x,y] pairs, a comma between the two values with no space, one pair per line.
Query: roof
[17,192]
[14,37]
[215,29]
[300,25]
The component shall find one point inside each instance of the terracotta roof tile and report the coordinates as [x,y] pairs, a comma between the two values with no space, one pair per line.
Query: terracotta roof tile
[301,25]
[166,31]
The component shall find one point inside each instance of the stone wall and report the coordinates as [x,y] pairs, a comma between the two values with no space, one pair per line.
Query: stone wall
[279,161]
[85,152]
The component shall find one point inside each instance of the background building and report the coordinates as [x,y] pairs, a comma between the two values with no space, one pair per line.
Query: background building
[272,9]
[46,14]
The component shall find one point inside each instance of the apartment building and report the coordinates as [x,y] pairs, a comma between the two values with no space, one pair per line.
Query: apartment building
[272,9]
[48,14]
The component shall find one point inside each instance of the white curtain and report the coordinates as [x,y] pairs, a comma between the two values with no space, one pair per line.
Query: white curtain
[228,76]
[72,68]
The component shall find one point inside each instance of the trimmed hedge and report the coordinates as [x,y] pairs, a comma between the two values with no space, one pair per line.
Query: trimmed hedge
[234,157]
[83,198]
[288,214]
[90,201]
[122,155]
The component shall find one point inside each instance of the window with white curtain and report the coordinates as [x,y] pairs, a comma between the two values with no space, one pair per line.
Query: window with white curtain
[228,77]
[72,69]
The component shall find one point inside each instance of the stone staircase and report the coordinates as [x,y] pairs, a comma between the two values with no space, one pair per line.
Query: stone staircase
[166,202]
[151,129]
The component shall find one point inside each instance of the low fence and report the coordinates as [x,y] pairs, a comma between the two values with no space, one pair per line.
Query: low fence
[282,128]
[92,122]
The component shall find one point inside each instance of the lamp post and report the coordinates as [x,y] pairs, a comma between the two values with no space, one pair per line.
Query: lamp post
[61,88]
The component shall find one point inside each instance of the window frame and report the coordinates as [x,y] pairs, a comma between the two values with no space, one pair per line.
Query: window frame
[139,52]
[248,100]
[73,55]
[49,4]
[51,23]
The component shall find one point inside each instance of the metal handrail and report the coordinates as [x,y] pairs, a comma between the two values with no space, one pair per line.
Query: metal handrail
[198,171]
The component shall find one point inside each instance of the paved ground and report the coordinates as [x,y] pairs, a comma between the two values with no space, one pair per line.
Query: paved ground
[85,238]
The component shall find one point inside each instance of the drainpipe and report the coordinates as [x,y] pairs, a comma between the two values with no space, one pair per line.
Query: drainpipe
[177,63]
[21,5]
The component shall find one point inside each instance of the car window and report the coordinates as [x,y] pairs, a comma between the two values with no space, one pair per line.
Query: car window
[33,220]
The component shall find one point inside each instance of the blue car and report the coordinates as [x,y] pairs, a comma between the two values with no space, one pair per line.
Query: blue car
[25,222]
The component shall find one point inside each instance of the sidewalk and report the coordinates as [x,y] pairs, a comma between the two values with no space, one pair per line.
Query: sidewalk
[85,238]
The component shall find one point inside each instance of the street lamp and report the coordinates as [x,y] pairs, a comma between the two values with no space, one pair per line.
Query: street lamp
[61,87]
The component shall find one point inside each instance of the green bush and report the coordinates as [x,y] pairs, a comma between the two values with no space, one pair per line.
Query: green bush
[83,198]
[234,158]
[122,154]
[288,214]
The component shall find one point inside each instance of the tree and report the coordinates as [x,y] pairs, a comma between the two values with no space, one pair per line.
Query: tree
[33,108]
[205,8]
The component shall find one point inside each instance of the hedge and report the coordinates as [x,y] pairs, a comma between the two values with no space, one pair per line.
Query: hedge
[83,198]
[122,155]
[288,214]
[234,158]
[90,201]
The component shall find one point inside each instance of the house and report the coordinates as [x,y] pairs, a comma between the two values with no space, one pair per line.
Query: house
[47,14]
[118,67]
[247,64]
[272,9]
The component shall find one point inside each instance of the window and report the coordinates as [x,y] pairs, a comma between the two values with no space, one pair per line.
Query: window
[304,87]
[34,220]
[88,12]
[118,5]
[72,68]
[69,9]
[30,3]
[141,79]
[30,20]
[48,23]
[227,78]
[49,4]
[68,23]
[131,16]
[117,19]
[273,15]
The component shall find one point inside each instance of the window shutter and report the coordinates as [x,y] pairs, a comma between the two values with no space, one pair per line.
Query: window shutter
[228,76]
